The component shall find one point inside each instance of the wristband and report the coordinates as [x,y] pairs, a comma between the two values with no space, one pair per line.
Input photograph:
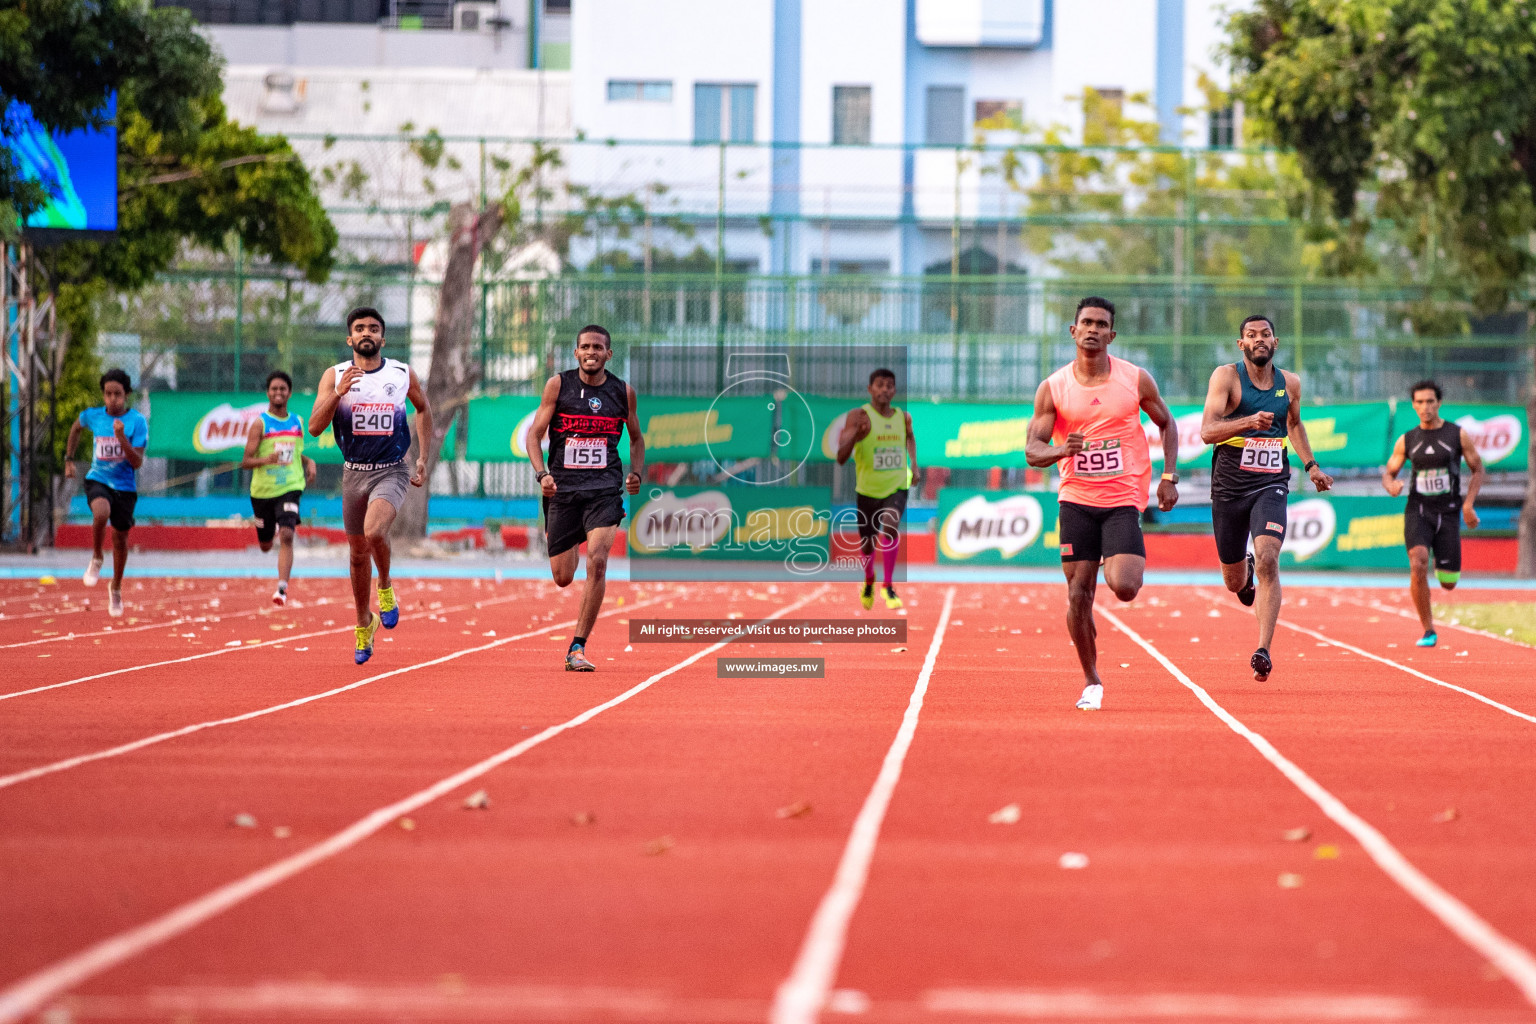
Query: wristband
[1307,466]
[538,477]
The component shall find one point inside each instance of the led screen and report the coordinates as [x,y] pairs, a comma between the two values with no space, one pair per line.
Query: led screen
[78,168]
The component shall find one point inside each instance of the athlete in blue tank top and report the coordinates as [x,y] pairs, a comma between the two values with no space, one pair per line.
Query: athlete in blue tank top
[364,402]
[1252,412]
[119,436]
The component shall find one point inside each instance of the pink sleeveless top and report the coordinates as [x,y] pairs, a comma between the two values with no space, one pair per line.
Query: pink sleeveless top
[1114,467]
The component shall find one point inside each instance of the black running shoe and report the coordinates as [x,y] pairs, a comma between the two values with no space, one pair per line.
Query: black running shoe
[1261,665]
[1246,595]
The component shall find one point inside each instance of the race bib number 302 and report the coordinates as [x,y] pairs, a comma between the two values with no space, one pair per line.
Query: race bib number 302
[108,448]
[1099,459]
[1263,455]
[586,453]
[374,419]
[1432,481]
[887,458]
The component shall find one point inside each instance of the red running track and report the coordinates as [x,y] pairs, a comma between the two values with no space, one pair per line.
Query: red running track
[682,894]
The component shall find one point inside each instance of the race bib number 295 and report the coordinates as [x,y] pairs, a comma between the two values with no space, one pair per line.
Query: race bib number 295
[1099,458]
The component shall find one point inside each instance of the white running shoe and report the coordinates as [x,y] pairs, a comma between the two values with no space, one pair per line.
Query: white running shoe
[114,602]
[280,597]
[1092,698]
[92,573]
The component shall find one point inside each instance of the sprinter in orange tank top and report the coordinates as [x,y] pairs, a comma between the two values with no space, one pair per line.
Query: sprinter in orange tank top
[1087,421]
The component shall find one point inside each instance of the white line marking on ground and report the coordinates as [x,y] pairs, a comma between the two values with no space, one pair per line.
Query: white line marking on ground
[232,650]
[1314,634]
[803,994]
[30,993]
[1514,960]
[187,730]
[197,616]
[1076,1004]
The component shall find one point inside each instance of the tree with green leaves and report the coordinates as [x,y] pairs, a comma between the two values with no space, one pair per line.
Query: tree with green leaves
[1419,113]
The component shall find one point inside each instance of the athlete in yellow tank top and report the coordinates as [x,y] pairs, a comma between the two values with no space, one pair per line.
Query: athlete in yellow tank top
[274,452]
[878,436]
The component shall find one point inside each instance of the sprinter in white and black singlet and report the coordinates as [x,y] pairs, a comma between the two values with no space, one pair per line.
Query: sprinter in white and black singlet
[1432,520]
[1252,412]
[585,411]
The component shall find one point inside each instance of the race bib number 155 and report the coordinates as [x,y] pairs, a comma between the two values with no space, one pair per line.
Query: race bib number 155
[586,453]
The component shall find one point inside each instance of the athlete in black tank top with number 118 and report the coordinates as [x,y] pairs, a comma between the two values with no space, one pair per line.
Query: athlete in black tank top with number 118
[1250,474]
[585,411]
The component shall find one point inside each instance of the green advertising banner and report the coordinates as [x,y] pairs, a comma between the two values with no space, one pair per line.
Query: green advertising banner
[675,429]
[1497,432]
[498,428]
[997,528]
[971,435]
[210,426]
[1016,528]
[731,523]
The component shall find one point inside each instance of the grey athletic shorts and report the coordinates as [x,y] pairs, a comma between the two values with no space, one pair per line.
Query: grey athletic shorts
[361,486]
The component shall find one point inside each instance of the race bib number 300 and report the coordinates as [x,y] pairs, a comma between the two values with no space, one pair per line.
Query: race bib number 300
[1099,458]
[586,453]
[108,448]
[887,458]
[1263,455]
[1432,481]
[373,418]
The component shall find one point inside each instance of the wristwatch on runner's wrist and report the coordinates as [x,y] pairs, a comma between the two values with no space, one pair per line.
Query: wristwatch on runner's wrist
[538,477]
[1306,467]
[1172,478]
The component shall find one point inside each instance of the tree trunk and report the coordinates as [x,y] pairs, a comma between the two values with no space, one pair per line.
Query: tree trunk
[455,371]
[1525,564]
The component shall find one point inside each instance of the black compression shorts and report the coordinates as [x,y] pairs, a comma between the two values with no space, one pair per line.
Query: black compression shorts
[271,513]
[881,515]
[120,504]
[1088,533]
[1234,520]
[1438,529]
[568,518]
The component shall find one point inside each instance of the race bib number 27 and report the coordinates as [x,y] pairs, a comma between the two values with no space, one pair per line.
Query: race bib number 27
[586,453]
[1099,458]
[1263,455]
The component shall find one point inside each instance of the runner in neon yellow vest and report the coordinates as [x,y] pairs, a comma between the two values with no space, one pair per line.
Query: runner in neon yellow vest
[274,452]
[879,437]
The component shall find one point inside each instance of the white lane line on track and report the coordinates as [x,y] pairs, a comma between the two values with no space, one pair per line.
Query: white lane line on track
[1514,960]
[1314,634]
[801,997]
[187,730]
[232,650]
[178,621]
[1079,1004]
[30,993]
[1405,613]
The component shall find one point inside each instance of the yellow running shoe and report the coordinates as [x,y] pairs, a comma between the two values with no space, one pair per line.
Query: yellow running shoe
[389,612]
[365,640]
[891,600]
[867,595]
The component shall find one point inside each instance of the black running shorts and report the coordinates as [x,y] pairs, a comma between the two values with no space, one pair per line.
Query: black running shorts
[120,504]
[881,515]
[1089,533]
[568,518]
[271,513]
[1437,529]
[1258,514]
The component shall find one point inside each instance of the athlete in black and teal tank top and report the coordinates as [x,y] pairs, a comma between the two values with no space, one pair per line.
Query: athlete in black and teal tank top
[1239,467]
[1436,459]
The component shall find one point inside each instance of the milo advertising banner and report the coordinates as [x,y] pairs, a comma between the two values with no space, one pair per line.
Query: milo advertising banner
[1325,532]
[997,528]
[498,428]
[210,426]
[972,435]
[1497,432]
[675,429]
[784,531]
[1346,436]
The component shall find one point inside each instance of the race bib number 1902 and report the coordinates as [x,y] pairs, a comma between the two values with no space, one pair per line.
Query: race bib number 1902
[1099,458]
[586,453]
[1263,455]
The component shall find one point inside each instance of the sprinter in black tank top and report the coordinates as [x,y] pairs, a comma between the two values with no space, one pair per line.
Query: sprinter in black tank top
[1431,525]
[1252,412]
[585,410]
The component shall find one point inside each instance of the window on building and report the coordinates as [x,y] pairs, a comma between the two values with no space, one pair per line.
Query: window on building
[865,267]
[1223,128]
[724,113]
[945,116]
[850,115]
[557,6]
[1000,115]
[649,92]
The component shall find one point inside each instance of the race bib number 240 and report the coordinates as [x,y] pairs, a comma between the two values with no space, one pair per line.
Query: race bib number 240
[373,418]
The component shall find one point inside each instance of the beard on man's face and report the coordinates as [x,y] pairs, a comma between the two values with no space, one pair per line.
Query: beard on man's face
[1260,358]
[366,346]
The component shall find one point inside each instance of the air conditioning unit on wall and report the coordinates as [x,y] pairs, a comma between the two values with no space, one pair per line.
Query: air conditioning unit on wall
[476,16]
